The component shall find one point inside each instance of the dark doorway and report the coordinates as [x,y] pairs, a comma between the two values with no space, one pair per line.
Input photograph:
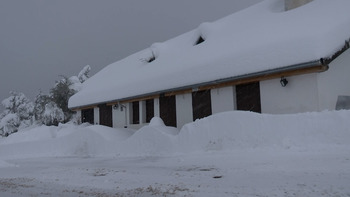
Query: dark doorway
[106,115]
[87,115]
[168,110]
[248,97]
[149,110]
[135,112]
[201,104]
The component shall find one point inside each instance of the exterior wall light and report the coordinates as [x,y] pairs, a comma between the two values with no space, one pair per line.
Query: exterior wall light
[283,82]
[119,106]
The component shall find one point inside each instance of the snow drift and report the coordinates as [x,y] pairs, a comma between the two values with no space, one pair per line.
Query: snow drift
[227,131]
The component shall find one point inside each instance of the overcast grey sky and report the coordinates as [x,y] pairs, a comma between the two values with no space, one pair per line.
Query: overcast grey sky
[42,39]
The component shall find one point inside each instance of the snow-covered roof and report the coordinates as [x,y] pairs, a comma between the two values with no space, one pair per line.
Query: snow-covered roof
[259,38]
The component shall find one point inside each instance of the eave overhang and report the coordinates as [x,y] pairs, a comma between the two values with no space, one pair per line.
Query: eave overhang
[297,69]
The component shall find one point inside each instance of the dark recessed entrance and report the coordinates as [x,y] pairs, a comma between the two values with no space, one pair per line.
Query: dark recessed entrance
[248,97]
[149,110]
[135,112]
[106,115]
[87,115]
[167,105]
[201,104]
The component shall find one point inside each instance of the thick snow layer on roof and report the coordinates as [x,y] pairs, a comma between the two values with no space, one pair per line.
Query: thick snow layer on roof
[259,38]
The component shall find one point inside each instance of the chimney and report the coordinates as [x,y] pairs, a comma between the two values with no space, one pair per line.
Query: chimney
[291,4]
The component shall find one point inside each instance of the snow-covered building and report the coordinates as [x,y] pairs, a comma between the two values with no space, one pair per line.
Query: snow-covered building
[275,57]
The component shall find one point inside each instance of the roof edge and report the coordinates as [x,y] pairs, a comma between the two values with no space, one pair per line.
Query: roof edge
[321,65]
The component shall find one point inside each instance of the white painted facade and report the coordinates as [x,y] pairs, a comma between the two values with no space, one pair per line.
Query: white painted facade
[97,115]
[184,112]
[334,82]
[310,92]
[223,99]
[78,116]
[300,95]
[119,116]
[156,108]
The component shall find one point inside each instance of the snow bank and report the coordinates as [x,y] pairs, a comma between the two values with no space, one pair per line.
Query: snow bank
[241,130]
[227,131]
[151,141]
[63,141]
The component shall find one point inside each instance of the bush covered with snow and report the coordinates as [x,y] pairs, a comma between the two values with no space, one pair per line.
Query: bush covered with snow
[9,124]
[18,113]
[50,109]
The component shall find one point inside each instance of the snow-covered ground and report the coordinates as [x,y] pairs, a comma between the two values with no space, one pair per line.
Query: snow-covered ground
[227,154]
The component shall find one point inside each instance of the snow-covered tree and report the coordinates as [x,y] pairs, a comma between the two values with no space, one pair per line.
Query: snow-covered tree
[84,74]
[18,104]
[52,115]
[40,102]
[9,124]
[18,113]
[60,95]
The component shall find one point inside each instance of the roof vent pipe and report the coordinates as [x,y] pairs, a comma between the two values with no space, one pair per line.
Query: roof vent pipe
[291,4]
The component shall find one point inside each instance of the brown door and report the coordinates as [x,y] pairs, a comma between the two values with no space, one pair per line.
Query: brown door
[248,97]
[167,105]
[135,112]
[149,110]
[201,104]
[87,115]
[106,115]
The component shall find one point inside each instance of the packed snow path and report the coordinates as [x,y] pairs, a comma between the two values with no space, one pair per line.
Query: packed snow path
[241,173]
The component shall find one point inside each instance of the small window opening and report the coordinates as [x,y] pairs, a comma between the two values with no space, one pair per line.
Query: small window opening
[135,112]
[200,40]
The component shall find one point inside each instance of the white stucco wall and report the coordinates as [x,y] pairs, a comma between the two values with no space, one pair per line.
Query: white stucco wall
[334,82]
[184,113]
[78,116]
[156,108]
[96,115]
[300,95]
[142,112]
[223,99]
[119,117]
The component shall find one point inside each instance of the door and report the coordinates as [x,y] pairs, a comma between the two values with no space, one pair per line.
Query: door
[149,110]
[87,115]
[201,104]
[248,97]
[135,112]
[106,115]
[167,105]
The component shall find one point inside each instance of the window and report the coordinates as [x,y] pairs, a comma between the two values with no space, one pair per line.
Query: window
[135,112]
[167,105]
[201,104]
[106,115]
[87,115]
[248,97]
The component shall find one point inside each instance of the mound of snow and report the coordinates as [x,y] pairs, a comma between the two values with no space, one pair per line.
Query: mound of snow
[241,130]
[63,141]
[227,131]
[155,139]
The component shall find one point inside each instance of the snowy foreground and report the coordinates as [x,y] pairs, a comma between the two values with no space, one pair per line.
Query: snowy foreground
[228,154]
